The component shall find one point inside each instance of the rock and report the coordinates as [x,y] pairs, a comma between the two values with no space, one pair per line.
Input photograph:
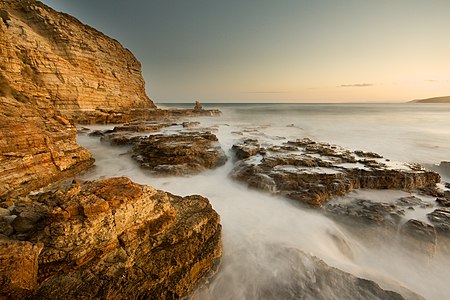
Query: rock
[190,124]
[141,126]
[440,218]
[18,268]
[412,201]
[179,154]
[419,237]
[5,227]
[367,212]
[4,212]
[445,202]
[198,106]
[288,273]
[116,239]
[246,148]
[75,69]
[314,172]
[97,133]
[38,147]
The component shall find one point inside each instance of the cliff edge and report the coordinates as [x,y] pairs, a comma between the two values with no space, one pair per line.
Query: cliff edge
[61,63]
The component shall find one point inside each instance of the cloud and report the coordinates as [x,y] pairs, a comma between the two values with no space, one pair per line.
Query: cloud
[356,85]
[432,80]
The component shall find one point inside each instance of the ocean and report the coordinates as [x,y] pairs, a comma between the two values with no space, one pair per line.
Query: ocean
[255,224]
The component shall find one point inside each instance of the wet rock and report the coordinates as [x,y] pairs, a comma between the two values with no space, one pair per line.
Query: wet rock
[121,138]
[289,273]
[368,154]
[314,172]
[141,126]
[440,218]
[179,154]
[412,201]
[97,133]
[246,148]
[190,124]
[419,237]
[367,212]
[114,239]
[445,202]
[18,268]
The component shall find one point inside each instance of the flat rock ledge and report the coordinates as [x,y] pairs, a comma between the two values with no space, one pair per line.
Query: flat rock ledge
[187,149]
[108,239]
[314,172]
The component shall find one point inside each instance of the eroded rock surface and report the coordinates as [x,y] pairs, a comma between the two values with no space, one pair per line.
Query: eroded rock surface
[18,268]
[114,239]
[314,172]
[178,154]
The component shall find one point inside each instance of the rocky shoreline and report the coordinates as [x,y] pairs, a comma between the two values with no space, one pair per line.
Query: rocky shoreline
[112,238]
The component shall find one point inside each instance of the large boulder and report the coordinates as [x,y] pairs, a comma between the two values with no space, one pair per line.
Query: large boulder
[114,239]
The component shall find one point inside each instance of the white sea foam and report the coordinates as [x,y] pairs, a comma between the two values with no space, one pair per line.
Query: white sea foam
[252,220]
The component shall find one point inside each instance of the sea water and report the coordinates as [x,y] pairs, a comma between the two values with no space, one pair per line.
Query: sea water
[254,221]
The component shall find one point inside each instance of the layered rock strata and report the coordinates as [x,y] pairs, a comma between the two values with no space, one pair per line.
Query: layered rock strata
[314,172]
[37,147]
[59,62]
[114,239]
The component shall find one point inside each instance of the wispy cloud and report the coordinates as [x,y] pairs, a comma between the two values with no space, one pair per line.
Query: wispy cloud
[432,80]
[356,85]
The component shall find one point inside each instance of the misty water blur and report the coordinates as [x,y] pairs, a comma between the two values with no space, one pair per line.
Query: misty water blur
[253,222]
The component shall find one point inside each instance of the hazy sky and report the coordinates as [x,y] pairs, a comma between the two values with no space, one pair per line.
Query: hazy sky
[283,51]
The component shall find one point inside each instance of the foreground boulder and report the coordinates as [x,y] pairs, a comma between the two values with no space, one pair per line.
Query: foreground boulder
[314,172]
[114,239]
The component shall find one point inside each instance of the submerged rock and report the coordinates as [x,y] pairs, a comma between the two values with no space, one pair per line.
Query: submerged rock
[314,172]
[367,212]
[419,237]
[440,218]
[114,239]
[289,273]
[179,154]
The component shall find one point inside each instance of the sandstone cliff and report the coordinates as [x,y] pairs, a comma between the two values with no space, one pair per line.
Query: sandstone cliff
[37,147]
[57,61]
[110,239]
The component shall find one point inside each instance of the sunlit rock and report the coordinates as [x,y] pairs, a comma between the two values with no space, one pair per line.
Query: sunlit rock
[114,239]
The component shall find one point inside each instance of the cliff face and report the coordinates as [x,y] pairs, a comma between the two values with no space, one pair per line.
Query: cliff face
[57,61]
[37,147]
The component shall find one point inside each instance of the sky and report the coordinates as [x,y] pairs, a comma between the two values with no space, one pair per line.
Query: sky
[280,51]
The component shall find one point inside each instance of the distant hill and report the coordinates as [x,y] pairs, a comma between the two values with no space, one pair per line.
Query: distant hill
[445,99]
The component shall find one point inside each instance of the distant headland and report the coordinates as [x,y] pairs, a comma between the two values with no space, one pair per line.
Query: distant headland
[444,99]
